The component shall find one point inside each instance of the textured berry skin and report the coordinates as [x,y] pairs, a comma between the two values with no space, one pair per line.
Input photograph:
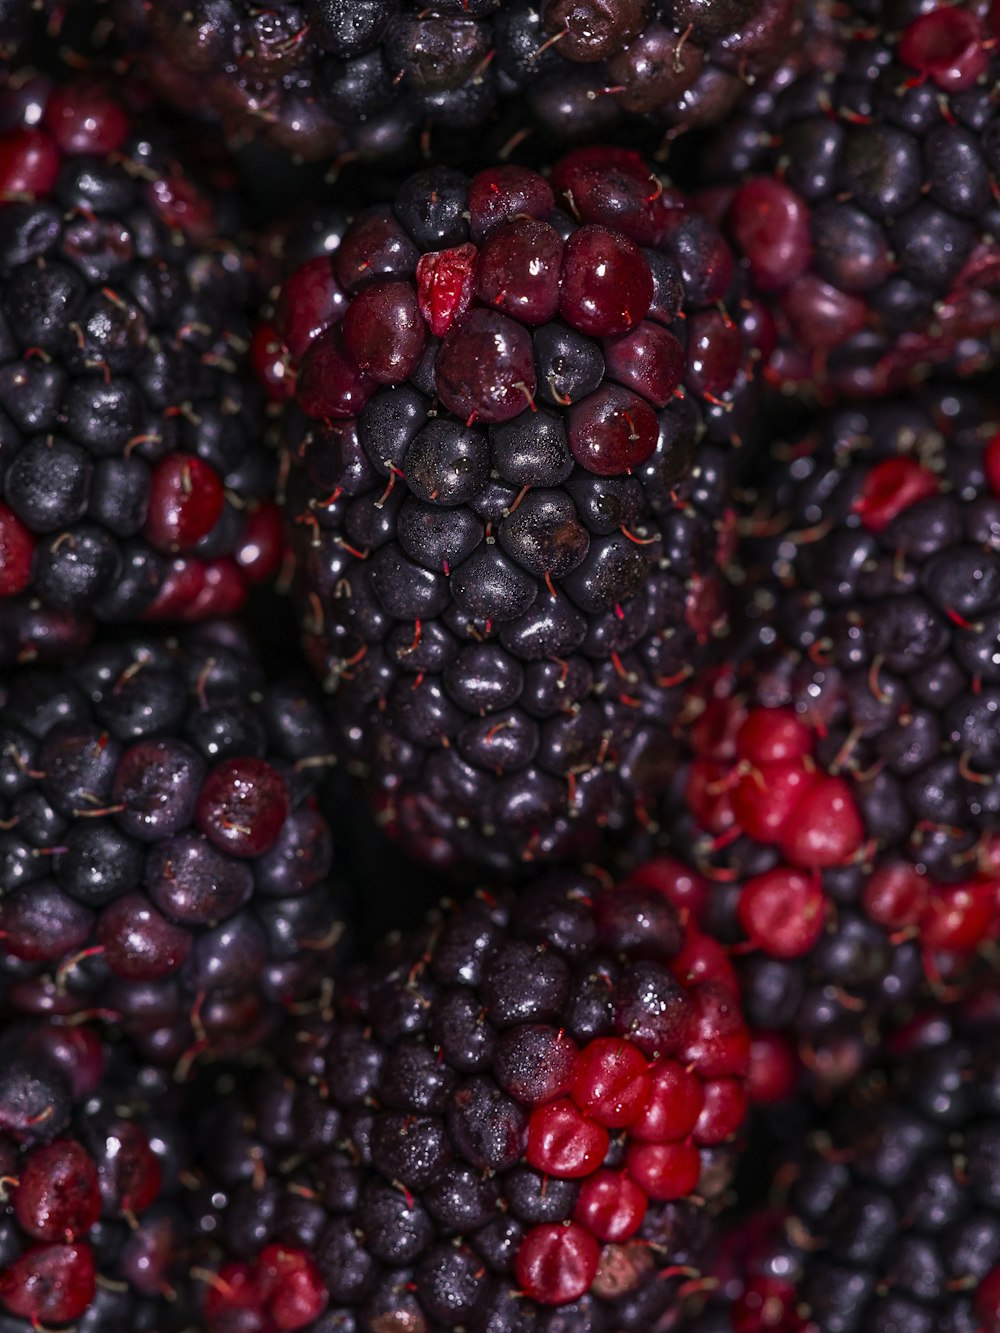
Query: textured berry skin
[838,789]
[890,1218]
[507,563]
[162,859]
[857,186]
[92,1234]
[458,1128]
[133,485]
[322,76]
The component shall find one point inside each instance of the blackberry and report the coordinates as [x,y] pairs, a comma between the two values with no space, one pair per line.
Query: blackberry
[837,770]
[859,195]
[890,1216]
[500,1125]
[162,860]
[322,76]
[132,485]
[888,607]
[506,524]
[91,1234]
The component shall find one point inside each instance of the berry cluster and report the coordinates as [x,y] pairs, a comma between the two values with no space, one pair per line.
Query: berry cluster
[90,1234]
[161,860]
[366,77]
[502,1126]
[508,499]
[890,1220]
[132,482]
[861,192]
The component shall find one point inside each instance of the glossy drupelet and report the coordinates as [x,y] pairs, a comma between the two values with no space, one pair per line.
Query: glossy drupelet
[92,1155]
[509,505]
[888,1221]
[867,209]
[162,861]
[520,1119]
[133,485]
[320,77]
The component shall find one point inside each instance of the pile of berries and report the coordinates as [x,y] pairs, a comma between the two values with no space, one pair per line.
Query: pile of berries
[499,666]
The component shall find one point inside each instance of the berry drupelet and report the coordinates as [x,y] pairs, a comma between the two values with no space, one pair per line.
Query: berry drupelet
[132,486]
[162,861]
[889,1220]
[508,459]
[514,1121]
[866,202]
[90,1232]
[322,76]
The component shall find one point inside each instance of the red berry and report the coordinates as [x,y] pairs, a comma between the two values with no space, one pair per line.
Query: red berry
[556,1264]
[958,918]
[820,315]
[612,1081]
[774,1068]
[611,1206]
[890,487]
[714,353]
[991,463]
[674,1105]
[724,1111]
[84,118]
[718,1044]
[500,194]
[685,888]
[708,793]
[29,163]
[139,943]
[896,894]
[234,1289]
[664,1170]
[564,1143]
[485,368]
[703,959]
[770,224]
[607,287]
[17,549]
[518,270]
[292,1287]
[262,544]
[223,591]
[987,1301]
[947,45]
[181,587]
[767,1305]
[445,284]
[129,1170]
[312,301]
[384,331]
[611,431]
[271,364]
[783,911]
[768,735]
[58,1198]
[766,798]
[647,359]
[49,1284]
[331,385]
[826,829]
[242,806]
[186,499]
